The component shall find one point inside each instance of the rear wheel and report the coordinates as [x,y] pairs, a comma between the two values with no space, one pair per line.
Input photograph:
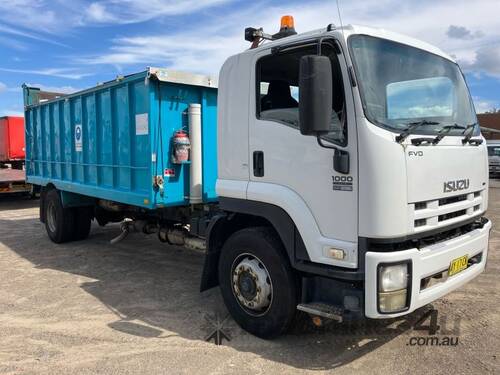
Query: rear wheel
[257,282]
[83,222]
[59,221]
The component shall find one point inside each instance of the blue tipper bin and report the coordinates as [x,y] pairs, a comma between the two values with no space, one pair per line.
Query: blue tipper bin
[110,141]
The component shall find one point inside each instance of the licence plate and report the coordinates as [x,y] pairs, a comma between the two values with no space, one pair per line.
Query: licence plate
[458,265]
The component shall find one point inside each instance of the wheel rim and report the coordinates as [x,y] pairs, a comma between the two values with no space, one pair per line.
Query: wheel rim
[251,284]
[51,217]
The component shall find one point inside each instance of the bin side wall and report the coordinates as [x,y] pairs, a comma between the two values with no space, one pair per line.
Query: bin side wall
[91,144]
[111,141]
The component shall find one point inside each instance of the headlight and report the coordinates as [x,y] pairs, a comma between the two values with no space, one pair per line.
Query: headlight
[393,278]
[393,288]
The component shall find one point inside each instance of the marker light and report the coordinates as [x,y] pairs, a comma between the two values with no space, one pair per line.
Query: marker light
[336,253]
[287,22]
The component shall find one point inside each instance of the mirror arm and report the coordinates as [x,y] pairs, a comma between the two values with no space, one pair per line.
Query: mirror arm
[320,142]
[340,158]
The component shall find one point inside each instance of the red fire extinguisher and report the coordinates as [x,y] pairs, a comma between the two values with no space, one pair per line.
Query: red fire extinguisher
[181,147]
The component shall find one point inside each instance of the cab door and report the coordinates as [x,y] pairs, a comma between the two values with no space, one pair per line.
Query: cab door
[292,170]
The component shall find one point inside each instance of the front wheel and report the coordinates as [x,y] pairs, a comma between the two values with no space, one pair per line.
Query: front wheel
[257,283]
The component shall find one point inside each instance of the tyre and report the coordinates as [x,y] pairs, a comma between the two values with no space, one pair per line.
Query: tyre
[59,221]
[257,283]
[83,222]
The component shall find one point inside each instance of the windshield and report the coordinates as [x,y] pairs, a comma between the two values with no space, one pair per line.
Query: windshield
[400,85]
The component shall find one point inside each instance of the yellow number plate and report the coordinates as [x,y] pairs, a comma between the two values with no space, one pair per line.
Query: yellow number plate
[458,265]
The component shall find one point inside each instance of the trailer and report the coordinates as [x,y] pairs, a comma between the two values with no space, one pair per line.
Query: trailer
[12,150]
[318,174]
[12,154]
[13,181]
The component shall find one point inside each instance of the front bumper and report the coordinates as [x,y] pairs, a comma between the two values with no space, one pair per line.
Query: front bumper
[426,262]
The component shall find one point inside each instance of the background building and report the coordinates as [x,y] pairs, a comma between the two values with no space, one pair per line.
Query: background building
[490,125]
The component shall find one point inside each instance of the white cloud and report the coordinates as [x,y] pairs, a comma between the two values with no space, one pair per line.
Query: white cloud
[4,88]
[51,16]
[30,14]
[17,32]
[484,105]
[133,11]
[486,60]
[68,73]
[58,89]
[13,44]
[97,12]
[205,47]
[461,32]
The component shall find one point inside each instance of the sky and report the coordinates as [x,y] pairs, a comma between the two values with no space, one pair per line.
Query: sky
[68,45]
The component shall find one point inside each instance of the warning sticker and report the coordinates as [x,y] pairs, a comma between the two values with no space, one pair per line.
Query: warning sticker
[141,124]
[169,172]
[78,138]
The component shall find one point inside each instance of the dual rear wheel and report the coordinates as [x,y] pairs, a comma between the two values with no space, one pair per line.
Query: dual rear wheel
[65,224]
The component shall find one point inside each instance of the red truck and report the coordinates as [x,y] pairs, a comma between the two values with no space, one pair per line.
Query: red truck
[12,154]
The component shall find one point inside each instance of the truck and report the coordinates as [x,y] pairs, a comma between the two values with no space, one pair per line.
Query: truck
[339,173]
[494,157]
[12,153]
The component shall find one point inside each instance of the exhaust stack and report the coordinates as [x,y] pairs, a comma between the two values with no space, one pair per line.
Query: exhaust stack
[196,170]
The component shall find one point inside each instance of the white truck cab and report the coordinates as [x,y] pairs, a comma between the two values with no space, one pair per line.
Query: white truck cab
[361,148]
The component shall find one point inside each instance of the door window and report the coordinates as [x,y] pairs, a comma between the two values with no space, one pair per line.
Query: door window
[278,91]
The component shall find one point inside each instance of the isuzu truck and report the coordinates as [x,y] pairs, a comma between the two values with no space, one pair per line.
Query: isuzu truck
[339,172]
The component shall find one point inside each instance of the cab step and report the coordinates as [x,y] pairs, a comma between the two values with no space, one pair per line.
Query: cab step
[323,310]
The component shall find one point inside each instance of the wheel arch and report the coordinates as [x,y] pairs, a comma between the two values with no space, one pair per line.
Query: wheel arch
[239,214]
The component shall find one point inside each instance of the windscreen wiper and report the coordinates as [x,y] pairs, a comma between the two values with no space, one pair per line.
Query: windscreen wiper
[411,127]
[468,137]
[445,130]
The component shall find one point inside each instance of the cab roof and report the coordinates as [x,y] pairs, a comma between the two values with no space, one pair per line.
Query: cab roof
[349,30]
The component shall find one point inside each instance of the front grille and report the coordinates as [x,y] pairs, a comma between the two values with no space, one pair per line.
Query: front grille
[420,222]
[424,240]
[432,214]
[450,200]
[451,215]
[420,206]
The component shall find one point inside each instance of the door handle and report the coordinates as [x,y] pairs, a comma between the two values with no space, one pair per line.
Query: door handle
[258,163]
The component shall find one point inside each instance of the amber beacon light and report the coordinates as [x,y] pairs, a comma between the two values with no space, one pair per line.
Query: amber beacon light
[287,22]
[287,28]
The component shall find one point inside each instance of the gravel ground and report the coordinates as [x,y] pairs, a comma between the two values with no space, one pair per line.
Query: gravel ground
[91,308]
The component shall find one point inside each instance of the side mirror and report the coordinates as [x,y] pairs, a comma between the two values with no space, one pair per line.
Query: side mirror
[315,95]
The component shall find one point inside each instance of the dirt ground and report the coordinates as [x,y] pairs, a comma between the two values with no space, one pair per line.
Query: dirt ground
[92,308]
